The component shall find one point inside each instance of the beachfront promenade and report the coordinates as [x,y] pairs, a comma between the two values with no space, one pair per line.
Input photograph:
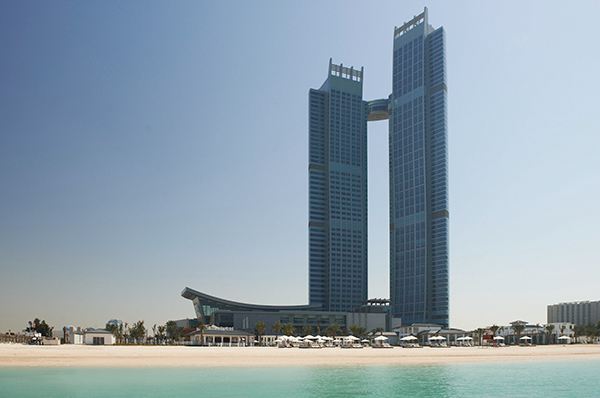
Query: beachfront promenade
[80,355]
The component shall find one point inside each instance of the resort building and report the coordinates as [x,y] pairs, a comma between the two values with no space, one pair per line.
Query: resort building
[221,337]
[219,312]
[576,312]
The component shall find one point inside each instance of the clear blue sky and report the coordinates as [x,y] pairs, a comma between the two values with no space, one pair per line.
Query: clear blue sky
[149,146]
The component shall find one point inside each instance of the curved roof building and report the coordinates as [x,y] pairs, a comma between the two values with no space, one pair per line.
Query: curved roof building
[205,305]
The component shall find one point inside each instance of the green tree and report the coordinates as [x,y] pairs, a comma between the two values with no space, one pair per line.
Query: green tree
[333,329]
[288,329]
[578,330]
[306,330]
[494,329]
[317,330]
[518,328]
[276,327]
[126,332]
[260,328]
[154,333]
[114,329]
[358,331]
[378,330]
[590,331]
[479,332]
[138,331]
[173,331]
[161,333]
[202,328]
[549,329]
[40,327]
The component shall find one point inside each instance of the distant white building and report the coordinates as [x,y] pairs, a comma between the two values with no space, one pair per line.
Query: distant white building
[99,337]
[417,328]
[76,337]
[576,312]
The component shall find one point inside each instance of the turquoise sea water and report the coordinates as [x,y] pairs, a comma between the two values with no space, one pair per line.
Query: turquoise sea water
[579,378]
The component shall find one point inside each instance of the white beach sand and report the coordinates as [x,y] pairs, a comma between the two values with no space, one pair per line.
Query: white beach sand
[80,355]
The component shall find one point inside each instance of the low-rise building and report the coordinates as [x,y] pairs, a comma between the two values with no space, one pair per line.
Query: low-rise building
[98,337]
[222,337]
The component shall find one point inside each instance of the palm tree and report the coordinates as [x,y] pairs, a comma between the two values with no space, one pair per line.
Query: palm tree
[494,328]
[479,332]
[537,332]
[138,331]
[173,331]
[114,329]
[161,333]
[357,331]
[518,328]
[201,328]
[306,330]
[154,333]
[550,329]
[276,327]
[171,327]
[260,328]
[578,331]
[126,332]
[317,330]
[288,329]
[590,331]
[333,329]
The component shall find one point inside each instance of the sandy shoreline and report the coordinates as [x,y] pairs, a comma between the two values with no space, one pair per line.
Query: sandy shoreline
[173,356]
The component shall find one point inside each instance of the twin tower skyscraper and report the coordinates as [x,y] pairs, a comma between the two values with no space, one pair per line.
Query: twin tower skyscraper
[418,181]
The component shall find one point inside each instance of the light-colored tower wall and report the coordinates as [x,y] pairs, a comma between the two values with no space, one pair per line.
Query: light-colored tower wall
[577,312]
[338,191]
[418,153]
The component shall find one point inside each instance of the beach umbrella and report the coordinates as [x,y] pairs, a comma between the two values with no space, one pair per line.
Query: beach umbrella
[525,338]
[498,338]
[564,338]
[309,337]
[408,338]
[364,341]
[352,338]
[381,338]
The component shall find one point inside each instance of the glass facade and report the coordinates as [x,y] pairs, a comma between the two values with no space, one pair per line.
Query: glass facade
[338,191]
[418,161]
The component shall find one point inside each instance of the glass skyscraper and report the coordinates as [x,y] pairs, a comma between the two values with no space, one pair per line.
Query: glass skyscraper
[338,191]
[418,146]
[418,173]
